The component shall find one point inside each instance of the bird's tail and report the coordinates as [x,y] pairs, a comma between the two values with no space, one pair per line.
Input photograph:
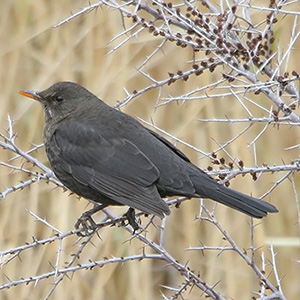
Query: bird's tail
[246,204]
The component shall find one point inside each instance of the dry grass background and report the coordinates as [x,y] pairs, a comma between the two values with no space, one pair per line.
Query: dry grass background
[34,55]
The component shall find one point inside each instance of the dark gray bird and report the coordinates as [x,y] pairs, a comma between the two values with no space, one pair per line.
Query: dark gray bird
[107,156]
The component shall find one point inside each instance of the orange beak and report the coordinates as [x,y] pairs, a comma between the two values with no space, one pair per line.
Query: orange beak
[30,94]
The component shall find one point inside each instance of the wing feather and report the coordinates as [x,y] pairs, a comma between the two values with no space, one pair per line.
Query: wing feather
[115,168]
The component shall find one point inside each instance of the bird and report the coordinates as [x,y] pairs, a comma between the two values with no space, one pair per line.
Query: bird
[107,156]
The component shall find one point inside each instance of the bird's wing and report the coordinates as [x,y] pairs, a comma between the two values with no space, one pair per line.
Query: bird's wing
[169,145]
[114,168]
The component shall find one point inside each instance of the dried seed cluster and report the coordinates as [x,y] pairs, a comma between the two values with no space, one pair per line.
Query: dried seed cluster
[224,39]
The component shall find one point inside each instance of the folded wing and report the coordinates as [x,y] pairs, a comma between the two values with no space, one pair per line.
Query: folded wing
[116,169]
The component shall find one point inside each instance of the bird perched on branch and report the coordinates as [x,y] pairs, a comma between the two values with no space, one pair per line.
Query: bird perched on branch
[107,156]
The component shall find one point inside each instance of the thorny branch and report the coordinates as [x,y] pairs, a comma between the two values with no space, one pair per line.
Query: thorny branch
[191,279]
[223,38]
[226,37]
[58,274]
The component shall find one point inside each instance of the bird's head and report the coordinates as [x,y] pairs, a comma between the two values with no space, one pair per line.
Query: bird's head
[60,99]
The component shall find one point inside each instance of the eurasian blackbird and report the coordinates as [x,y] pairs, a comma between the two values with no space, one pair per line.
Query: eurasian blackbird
[107,156]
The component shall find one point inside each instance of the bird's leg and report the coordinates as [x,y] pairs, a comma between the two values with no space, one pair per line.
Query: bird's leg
[130,215]
[87,222]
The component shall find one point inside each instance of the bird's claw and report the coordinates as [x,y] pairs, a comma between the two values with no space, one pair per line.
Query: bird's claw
[130,215]
[86,223]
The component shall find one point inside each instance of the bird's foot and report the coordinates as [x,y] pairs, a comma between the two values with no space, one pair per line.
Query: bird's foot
[87,223]
[130,215]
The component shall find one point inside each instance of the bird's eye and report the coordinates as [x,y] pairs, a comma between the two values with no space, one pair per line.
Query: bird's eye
[58,99]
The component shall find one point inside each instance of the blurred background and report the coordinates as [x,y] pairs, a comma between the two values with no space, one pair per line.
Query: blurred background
[34,55]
